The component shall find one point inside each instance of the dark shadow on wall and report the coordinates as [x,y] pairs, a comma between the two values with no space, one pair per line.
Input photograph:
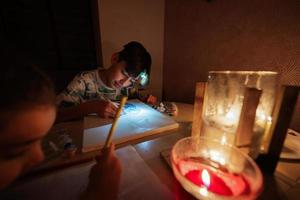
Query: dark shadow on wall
[62,37]
[229,35]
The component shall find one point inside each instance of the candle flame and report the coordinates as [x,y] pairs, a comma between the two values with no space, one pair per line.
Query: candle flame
[205,177]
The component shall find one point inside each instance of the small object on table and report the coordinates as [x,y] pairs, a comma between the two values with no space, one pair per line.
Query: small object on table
[166,107]
[70,150]
[147,98]
[65,140]
[151,100]
[171,108]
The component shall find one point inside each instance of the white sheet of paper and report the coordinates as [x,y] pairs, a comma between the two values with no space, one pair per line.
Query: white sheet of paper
[69,183]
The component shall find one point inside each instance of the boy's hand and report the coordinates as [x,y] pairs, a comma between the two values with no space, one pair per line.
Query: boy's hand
[105,109]
[104,176]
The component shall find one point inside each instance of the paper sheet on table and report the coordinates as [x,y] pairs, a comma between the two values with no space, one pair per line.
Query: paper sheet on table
[56,185]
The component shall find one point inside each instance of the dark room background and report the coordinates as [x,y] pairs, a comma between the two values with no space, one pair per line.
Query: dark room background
[199,36]
[229,35]
[60,36]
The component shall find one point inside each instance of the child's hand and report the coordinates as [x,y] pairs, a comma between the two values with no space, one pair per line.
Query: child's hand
[104,176]
[105,109]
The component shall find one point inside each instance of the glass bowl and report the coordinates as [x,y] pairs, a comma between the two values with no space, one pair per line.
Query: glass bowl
[209,169]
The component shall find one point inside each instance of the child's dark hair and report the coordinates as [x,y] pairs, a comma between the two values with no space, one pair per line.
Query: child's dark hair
[136,57]
[22,85]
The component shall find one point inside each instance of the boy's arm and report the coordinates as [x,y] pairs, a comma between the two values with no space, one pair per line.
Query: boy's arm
[103,108]
[69,101]
[74,112]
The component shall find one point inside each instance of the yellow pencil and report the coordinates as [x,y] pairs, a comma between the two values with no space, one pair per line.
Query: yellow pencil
[114,124]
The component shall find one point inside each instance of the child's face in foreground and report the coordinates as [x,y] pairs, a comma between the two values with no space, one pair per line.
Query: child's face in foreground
[20,140]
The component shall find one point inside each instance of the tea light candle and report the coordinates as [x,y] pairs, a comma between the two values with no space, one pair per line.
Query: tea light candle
[218,181]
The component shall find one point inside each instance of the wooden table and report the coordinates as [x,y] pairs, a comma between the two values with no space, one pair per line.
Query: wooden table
[279,186]
[284,184]
[146,175]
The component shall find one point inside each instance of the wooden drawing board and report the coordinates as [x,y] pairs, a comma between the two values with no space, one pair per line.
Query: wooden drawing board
[137,120]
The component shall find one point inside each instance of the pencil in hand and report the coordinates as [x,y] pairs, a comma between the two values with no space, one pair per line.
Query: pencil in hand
[115,121]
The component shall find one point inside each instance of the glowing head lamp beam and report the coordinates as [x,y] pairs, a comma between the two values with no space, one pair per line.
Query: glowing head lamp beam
[142,78]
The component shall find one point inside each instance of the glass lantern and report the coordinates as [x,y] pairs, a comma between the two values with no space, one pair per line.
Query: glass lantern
[224,100]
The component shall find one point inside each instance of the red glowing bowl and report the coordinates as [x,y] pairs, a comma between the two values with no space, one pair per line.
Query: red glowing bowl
[209,169]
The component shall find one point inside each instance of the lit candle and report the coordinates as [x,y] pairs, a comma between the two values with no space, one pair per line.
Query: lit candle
[216,180]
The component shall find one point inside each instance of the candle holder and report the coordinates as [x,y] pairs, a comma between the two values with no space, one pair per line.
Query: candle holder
[210,169]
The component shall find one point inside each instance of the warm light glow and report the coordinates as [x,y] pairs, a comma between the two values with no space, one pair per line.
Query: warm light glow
[230,115]
[269,119]
[217,157]
[223,140]
[263,117]
[205,177]
[203,191]
[234,111]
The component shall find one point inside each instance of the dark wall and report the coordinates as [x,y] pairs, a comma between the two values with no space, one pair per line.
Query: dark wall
[229,35]
[59,36]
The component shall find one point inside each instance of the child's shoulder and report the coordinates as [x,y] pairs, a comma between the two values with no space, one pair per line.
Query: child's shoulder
[89,74]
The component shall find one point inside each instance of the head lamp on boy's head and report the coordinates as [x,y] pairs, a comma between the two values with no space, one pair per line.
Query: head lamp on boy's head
[138,62]
[142,78]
